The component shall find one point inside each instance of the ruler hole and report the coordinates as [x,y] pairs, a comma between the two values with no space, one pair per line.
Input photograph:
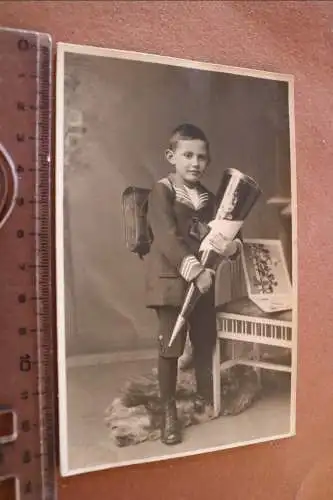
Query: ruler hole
[8,425]
[9,488]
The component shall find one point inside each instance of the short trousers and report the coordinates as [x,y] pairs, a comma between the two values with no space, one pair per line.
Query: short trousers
[201,328]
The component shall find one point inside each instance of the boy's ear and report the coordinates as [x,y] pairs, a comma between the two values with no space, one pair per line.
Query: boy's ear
[169,155]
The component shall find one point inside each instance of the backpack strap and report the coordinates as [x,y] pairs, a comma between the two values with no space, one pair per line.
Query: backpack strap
[167,181]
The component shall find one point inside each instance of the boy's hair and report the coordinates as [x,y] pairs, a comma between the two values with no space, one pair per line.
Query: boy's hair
[186,131]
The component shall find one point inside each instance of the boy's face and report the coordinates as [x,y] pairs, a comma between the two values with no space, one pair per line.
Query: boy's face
[190,159]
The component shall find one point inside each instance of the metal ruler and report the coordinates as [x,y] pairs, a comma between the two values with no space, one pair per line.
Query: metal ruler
[27,403]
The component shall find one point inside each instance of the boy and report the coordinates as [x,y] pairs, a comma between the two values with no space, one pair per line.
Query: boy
[179,209]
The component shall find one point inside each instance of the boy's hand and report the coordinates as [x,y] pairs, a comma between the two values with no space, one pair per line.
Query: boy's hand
[205,280]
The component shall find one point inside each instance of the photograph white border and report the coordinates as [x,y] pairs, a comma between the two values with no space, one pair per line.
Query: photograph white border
[62,49]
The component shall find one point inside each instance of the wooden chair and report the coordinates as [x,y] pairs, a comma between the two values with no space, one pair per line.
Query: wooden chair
[239,320]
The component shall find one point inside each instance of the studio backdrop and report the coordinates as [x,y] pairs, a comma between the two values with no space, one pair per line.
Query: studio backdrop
[118,118]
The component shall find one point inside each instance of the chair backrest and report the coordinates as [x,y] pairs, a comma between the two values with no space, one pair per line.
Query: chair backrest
[230,282]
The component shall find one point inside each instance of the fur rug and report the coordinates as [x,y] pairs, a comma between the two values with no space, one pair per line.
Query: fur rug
[135,416]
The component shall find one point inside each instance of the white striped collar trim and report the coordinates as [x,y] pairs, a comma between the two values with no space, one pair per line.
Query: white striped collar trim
[182,195]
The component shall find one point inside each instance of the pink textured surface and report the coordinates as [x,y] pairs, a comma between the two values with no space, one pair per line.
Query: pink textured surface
[288,37]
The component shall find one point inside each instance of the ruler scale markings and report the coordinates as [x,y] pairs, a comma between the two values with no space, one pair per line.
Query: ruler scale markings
[27,273]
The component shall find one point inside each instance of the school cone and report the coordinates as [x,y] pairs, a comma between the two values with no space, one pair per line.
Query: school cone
[238,194]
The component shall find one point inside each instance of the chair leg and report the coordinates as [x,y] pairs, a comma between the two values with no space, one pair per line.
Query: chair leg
[257,355]
[217,379]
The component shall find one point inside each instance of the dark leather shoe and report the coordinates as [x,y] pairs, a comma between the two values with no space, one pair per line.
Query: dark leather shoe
[170,431]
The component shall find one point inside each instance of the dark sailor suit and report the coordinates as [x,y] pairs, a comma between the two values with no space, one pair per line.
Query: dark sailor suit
[178,227]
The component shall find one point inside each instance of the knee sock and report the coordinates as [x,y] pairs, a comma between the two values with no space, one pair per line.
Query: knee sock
[167,378]
[203,375]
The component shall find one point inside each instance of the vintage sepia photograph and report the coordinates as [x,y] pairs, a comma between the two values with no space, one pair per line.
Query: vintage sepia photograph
[176,257]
